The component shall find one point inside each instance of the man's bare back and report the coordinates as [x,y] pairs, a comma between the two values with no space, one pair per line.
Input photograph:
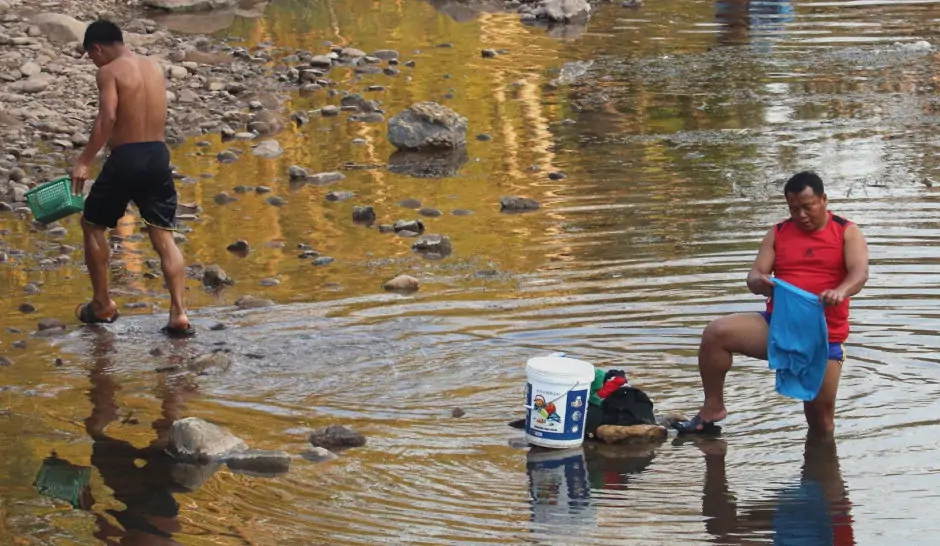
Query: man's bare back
[141,99]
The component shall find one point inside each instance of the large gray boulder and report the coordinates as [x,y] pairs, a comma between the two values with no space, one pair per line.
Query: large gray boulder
[190,5]
[427,125]
[60,29]
[564,11]
[193,440]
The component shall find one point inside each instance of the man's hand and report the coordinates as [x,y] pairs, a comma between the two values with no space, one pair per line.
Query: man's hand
[80,172]
[832,297]
[761,284]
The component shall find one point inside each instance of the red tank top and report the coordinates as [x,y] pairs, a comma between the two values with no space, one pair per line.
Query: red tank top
[815,262]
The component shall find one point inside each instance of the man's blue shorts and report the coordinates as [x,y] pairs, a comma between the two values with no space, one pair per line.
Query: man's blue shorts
[836,350]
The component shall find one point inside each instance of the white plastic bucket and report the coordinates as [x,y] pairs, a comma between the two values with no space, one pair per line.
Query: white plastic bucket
[556,397]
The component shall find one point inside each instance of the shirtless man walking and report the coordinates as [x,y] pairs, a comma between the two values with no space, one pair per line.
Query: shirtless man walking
[131,121]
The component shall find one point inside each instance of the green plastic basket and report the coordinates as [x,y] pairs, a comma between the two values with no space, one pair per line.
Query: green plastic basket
[54,200]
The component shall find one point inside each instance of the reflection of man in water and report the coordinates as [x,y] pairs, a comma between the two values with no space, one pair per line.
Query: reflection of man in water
[813,511]
[150,514]
[744,21]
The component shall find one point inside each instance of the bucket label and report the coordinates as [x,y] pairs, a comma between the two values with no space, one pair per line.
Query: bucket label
[556,414]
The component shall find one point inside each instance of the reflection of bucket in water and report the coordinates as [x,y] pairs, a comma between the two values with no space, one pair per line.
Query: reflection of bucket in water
[556,398]
[558,487]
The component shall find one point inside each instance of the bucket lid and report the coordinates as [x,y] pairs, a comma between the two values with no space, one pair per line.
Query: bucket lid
[562,366]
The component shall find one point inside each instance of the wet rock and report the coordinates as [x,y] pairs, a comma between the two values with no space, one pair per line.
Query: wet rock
[269,149]
[323,61]
[27,308]
[336,437]
[19,344]
[269,282]
[227,156]
[319,455]
[461,212]
[557,176]
[428,163]
[391,71]
[261,190]
[190,5]
[217,327]
[251,302]
[430,213]
[209,363]
[321,179]
[215,277]
[488,53]
[517,204]
[410,203]
[238,246]
[433,246]
[335,196]
[364,214]
[417,226]
[457,413]
[427,125]
[241,189]
[610,434]
[259,462]
[373,117]
[329,111]
[5,361]
[297,173]
[483,137]
[322,260]
[300,118]
[156,351]
[196,441]
[223,198]
[404,283]
[57,232]
[32,289]
[276,201]
[385,54]
[50,324]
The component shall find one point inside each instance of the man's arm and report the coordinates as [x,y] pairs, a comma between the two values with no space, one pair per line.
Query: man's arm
[758,279]
[856,265]
[101,131]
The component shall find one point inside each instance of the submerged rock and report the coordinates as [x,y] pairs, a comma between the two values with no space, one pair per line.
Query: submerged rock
[251,302]
[215,362]
[427,125]
[433,246]
[517,204]
[50,324]
[193,440]
[319,455]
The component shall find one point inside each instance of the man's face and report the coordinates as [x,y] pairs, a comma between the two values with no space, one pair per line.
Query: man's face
[807,210]
[96,54]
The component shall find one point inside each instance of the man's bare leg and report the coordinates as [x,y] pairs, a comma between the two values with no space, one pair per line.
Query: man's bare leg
[171,261]
[97,254]
[740,333]
[821,412]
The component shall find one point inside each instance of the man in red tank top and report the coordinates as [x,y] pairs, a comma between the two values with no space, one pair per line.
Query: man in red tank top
[814,250]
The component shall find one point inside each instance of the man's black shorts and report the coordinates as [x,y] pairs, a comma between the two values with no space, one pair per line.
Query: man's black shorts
[138,172]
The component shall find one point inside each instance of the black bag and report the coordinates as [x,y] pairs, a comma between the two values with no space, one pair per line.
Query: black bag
[624,407]
[627,406]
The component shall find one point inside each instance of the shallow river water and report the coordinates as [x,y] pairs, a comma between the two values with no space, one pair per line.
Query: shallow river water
[688,116]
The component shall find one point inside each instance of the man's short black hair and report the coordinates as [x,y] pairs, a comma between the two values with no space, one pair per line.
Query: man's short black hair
[102,32]
[800,181]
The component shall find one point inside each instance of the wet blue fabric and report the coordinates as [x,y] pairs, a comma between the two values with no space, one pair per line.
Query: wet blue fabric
[798,344]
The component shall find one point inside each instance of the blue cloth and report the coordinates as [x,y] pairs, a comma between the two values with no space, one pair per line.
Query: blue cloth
[798,344]
[836,349]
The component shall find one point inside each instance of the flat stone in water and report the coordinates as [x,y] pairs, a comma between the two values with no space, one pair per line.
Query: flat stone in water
[319,455]
[276,201]
[7,361]
[269,282]
[461,212]
[430,213]
[323,260]
[410,203]
[27,308]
